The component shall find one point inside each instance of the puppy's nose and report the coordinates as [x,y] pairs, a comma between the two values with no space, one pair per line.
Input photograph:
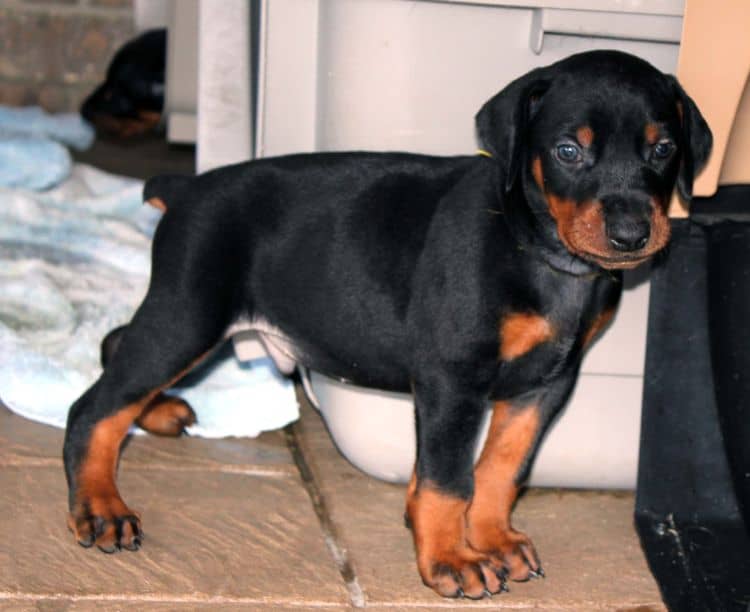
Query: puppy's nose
[628,234]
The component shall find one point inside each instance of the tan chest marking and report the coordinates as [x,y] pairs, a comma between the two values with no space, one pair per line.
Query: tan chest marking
[520,332]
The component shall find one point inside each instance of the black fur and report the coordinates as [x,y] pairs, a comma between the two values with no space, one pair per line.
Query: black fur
[134,85]
[395,270]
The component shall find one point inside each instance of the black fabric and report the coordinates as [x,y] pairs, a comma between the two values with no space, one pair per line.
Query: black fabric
[731,203]
[729,325]
[687,510]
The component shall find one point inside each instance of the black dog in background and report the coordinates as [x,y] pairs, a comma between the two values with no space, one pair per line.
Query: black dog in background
[461,279]
[130,101]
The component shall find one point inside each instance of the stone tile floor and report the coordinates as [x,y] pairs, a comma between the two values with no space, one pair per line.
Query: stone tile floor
[281,522]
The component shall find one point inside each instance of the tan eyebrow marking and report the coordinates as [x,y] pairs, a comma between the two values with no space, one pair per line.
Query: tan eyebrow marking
[585,135]
[652,133]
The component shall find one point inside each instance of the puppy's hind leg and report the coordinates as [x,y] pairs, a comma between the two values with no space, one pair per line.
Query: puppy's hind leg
[171,331]
[110,343]
[164,415]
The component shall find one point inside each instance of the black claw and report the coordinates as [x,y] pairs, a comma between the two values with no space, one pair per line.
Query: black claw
[134,545]
[482,595]
[137,534]
[503,576]
[459,593]
[540,572]
[407,521]
[183,429]
[109,550]
[99,526]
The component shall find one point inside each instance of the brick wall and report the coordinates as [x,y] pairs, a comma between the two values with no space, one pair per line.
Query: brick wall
[54,52]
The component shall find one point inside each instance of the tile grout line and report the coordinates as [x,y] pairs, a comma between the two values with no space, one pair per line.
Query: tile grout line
[242,470]
[150,598]
[330,533]
[6,596]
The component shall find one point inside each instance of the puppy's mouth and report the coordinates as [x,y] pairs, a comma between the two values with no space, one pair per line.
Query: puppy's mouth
[596,247]
[611,259]
[582,229]
[620,262]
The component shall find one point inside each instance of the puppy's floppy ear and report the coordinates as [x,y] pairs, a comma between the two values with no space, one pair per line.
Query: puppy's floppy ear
[503,121]
[696,140]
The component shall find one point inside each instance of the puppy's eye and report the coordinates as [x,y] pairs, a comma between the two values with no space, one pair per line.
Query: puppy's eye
[568,153]
[662,149]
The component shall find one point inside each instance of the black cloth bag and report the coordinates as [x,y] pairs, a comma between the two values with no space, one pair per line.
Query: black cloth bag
[693,496]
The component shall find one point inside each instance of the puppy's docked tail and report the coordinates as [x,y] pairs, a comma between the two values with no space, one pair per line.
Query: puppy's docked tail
[164,190]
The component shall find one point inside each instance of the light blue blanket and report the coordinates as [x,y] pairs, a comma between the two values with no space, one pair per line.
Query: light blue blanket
[32,122]
[74,263]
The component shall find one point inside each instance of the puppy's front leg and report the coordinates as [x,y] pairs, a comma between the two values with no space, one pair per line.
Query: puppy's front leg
[516,430]
[441,490]
[514,433]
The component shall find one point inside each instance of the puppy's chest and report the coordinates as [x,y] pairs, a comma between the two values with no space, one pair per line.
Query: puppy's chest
[536,345]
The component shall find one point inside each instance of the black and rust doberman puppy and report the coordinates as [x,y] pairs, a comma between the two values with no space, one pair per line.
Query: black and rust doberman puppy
[461,279]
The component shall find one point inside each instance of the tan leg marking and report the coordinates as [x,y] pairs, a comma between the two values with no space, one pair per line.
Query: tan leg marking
[99,515]
[511,437]
[100,512]
[446,562]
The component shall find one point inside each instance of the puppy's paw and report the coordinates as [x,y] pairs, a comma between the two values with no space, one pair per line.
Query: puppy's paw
[107,523]
[166,416]
[462,572]
[446,560]
[509,552]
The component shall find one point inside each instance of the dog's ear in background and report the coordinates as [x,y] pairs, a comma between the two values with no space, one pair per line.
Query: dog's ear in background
[130,101]
[503,121]
[697,140]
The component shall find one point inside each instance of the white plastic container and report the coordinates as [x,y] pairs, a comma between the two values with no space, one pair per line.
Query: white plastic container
[410,75]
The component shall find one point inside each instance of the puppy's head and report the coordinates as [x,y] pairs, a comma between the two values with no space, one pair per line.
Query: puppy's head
[597,142]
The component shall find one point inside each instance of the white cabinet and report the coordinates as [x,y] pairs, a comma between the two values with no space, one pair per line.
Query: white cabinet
[410,75]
